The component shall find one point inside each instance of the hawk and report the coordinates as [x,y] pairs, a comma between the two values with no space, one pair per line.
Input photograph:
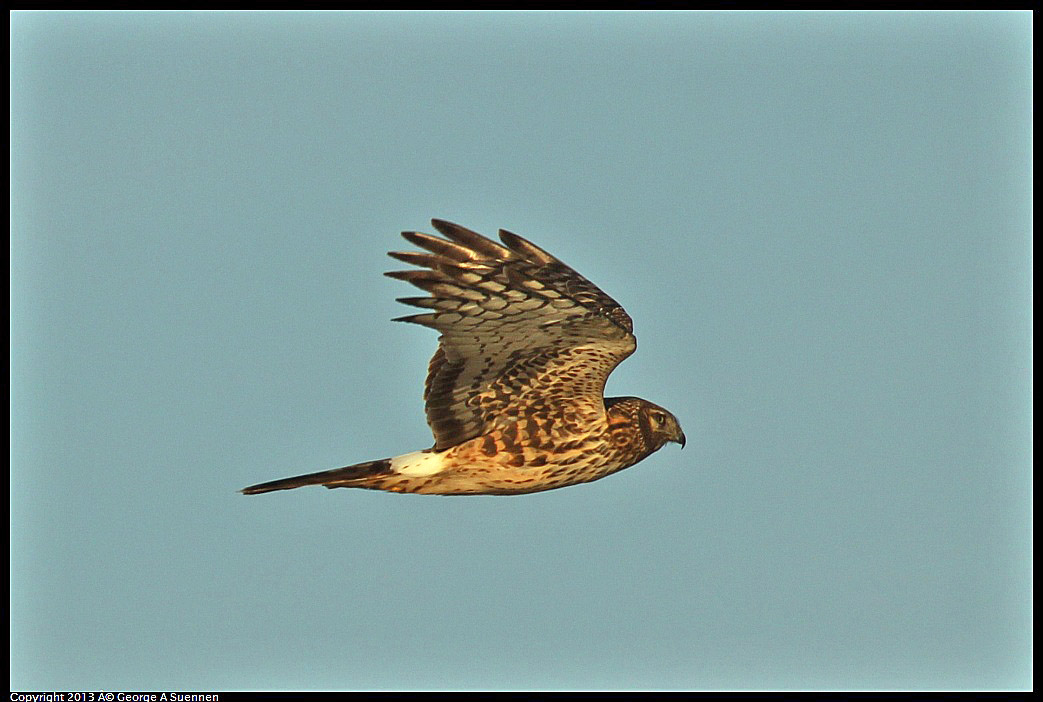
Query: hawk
[515,392]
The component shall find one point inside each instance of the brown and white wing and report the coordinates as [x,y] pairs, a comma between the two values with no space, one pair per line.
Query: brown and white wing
[522,334]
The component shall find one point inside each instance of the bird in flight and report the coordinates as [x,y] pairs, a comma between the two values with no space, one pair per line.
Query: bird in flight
[515,392]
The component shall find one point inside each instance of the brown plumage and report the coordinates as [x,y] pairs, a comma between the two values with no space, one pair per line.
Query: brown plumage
[514,393]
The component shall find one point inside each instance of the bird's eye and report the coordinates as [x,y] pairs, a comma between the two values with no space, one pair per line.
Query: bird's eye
[659,418]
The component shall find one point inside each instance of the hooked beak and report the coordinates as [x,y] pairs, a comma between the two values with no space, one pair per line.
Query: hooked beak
[680,439]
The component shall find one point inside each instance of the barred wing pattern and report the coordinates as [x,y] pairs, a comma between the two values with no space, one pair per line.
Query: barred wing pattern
[522,334]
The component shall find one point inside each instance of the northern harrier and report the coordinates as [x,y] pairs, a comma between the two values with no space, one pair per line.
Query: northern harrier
[514,393]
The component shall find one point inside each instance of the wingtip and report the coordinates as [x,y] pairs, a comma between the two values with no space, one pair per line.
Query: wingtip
[526,248]
[444,226]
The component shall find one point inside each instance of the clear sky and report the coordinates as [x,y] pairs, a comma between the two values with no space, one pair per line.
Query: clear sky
[820,224]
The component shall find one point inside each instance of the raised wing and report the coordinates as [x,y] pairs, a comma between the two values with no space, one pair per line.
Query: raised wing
[522,333]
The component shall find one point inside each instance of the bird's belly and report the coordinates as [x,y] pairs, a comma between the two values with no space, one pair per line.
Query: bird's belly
[471,469]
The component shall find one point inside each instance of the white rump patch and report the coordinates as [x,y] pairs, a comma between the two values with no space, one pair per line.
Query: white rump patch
[417,464]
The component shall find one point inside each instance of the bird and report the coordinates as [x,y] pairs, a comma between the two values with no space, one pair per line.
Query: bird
[514,393]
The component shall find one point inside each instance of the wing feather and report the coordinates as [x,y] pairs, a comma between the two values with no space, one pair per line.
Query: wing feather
[526,248]
[521,332]
[472,240]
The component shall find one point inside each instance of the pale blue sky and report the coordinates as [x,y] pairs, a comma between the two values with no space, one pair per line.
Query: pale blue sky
[820,224]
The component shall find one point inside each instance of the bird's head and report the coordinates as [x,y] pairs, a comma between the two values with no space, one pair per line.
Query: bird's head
[657,425]
[660,425]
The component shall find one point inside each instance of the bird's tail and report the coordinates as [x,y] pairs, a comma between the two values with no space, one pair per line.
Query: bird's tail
[359,475]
